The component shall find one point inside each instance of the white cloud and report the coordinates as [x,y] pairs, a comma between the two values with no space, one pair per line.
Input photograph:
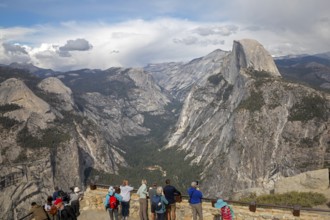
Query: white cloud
[283,27]
[225,30]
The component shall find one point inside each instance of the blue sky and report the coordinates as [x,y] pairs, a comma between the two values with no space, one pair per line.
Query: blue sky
[74,34]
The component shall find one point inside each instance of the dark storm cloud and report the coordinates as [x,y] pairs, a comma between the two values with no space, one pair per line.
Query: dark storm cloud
[14,49]
[76,45]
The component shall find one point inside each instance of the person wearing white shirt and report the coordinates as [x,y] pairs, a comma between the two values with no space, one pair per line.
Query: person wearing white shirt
[125,192]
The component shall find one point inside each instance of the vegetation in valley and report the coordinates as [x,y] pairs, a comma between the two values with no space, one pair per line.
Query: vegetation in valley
[153,162]
[154,166]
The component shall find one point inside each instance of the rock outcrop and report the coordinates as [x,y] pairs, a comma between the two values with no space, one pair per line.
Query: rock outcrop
[247,127]
[14,91]
[178,78]
[54,87]
[311,181]
[69,132]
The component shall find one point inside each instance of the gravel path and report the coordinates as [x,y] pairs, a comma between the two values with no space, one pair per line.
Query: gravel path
[96,215]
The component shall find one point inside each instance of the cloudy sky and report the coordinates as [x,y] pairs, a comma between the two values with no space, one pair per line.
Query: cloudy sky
[74,34]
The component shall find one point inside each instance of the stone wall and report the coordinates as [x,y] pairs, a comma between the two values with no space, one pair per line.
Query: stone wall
[93,200]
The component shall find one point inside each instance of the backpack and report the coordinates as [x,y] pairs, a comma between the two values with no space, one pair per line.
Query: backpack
[64,196]
[53,210]
[113,202]
[227,213]
[156,202]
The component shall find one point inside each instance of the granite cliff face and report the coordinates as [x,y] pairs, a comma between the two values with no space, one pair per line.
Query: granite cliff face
[178,78]
[248,127]
[52,135]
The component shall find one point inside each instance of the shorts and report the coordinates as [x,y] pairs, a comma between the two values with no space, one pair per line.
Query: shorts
[171,207]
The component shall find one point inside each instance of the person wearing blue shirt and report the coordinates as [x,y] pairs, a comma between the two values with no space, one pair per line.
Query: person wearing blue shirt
[112,212]
[195,201]
[56,194]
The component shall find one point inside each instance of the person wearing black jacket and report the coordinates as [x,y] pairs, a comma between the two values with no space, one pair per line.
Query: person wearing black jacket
[65,212]
[170,192]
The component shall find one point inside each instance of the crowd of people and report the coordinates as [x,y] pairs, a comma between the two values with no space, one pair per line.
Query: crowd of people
[162,199]
[66,206]
[60,206]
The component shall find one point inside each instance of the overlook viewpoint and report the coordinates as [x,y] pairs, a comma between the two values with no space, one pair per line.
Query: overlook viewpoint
[92,208]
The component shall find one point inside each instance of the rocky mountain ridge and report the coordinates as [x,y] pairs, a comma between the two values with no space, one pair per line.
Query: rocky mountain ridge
[230,115]
[246,125]
[73,130]
[313,70]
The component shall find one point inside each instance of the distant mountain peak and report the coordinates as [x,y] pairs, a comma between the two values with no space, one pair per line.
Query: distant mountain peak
[252,54]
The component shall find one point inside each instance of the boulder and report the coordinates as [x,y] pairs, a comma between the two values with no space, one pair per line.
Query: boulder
[311,181]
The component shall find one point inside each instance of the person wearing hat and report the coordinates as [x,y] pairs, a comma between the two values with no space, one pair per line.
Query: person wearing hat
[113,212]
[225,210]
[38,212]
[75,197]
[65,212]
[195,201]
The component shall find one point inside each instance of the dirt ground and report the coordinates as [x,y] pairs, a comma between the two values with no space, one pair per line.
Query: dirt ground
[96,215]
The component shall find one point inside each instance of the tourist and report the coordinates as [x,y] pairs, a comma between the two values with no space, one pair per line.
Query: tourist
[226,211]
[170,192]
[142,193]
[152,192]
[125,192]
[195,201]
[65,212]
[56,193]
[111,203]
[38,212]
[159,207]
[75,198]
[51,208]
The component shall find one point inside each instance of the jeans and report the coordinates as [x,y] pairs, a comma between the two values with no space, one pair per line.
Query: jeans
[161,216]
[113,213]
[124,209]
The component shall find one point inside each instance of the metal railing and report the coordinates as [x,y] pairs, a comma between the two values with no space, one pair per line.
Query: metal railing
[252,205]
